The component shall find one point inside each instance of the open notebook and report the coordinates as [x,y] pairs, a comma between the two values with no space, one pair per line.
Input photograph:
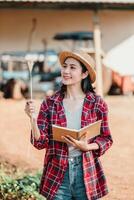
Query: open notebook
[87,132]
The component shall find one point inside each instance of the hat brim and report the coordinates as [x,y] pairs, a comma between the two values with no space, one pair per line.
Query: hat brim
[82,57]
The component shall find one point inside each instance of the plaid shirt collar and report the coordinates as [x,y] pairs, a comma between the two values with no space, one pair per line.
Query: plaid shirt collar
[58,97]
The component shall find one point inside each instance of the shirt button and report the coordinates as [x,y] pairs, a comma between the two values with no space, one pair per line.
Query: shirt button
[72,160]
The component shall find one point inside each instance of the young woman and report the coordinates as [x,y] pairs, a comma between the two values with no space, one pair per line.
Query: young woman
[72,169]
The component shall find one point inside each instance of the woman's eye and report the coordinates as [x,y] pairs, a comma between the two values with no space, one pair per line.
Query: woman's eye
[72,67]
[64,66]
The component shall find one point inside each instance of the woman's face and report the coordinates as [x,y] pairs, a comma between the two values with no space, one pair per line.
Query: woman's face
[71,72]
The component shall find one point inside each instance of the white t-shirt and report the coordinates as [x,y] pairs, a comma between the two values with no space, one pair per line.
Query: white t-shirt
[73,117]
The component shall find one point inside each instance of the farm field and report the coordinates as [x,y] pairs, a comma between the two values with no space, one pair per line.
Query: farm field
[118,162]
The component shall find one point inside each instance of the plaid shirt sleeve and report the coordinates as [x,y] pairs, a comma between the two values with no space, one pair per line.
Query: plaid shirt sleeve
[43,125]
[105,139]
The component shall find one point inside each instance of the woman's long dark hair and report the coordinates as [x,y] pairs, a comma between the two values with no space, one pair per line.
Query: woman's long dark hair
[85,83]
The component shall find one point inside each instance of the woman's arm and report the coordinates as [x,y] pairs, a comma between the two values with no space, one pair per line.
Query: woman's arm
[104,140]
[40,124]
[34,126]
[30,111]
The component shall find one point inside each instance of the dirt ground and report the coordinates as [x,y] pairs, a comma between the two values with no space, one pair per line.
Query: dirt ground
[118,162]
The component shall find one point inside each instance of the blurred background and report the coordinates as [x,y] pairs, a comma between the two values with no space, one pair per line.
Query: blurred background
[37,31]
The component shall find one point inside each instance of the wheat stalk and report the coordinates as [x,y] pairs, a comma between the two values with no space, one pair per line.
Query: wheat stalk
[30,67]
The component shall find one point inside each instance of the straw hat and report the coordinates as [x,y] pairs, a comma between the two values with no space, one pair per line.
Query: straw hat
[83,57]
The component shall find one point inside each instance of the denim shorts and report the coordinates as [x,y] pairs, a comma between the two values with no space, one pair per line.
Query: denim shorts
[72,187]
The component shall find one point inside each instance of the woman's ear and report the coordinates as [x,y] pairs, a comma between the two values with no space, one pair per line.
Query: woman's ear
[85,74]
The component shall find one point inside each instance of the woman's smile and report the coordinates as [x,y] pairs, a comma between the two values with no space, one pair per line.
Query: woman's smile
[66,77]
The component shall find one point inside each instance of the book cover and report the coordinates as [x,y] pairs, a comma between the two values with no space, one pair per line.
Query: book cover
[86,132]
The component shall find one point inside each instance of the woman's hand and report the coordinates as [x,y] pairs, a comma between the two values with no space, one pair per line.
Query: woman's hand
[80,144]
[30,109]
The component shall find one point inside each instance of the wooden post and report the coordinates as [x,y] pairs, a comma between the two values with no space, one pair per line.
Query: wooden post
[97,46]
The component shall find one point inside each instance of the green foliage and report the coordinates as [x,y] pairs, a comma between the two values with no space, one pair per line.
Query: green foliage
[25,188]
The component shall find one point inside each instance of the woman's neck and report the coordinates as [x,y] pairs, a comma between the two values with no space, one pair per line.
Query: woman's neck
[74,93]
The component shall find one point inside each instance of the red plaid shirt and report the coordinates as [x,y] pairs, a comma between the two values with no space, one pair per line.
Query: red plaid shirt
[56,157]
